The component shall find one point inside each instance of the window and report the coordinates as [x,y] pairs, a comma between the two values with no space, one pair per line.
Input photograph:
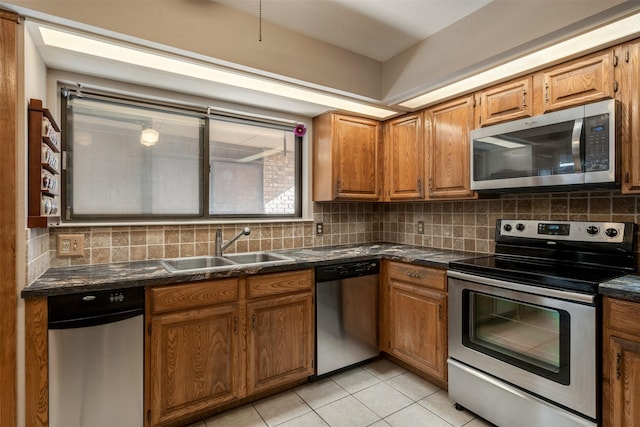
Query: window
[129,160]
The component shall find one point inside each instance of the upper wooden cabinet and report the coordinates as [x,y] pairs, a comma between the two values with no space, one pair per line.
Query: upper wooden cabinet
[507,101]
[628,75]
[346,158]
[404,159]
[447,128]
[587,79]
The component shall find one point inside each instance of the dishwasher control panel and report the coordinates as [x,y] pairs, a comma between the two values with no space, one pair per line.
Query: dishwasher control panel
[345,270]
[94,307]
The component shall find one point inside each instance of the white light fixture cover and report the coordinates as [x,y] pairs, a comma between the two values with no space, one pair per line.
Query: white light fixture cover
[149,137]
[139,56]
[594,39]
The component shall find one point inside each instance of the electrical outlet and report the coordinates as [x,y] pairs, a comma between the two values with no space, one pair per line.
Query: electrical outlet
[319,228]
[420,227]
[70,244]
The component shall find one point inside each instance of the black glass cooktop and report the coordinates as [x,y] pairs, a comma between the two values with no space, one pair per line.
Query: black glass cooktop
[539,272]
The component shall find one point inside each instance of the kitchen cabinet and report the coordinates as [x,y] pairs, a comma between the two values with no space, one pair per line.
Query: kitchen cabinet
[586,79]
[280,322]
[44,167]
[404,159]
[447,129]
[194,351]
[346,158]
[414,322]
[507,101]
[628,74]
[621,359]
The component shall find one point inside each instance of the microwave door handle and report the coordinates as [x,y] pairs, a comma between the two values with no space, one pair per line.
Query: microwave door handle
[575,145]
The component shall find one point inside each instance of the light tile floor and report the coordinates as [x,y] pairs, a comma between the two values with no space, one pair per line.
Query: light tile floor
[377,394]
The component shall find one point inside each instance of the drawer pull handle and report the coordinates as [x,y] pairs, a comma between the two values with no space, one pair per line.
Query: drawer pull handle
[414,275]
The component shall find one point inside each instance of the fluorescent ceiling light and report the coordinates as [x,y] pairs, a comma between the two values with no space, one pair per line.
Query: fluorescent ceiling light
[602,36]
[108,50]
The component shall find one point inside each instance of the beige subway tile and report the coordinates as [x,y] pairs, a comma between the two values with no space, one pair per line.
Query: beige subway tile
[171,236]
[101,239]
[100,255]
[155,236]
[187,249]
[120,254]
[172,251]
[138,253]
[155,252]
[138,237]
[187,234]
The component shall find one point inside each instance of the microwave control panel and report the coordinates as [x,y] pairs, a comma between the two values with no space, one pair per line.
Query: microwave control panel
[596,137]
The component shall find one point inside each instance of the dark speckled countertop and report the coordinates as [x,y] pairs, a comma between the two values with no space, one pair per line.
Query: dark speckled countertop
[66,280]
[625,287]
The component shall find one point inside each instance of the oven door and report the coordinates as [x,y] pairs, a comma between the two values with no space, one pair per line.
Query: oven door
[541,340]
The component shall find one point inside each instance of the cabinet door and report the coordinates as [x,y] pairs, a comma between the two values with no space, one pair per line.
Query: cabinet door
[195,361]
[625,382]
[280,341]
[448,148]
[404,154]
[418,327]
[508,101]
[628,74]
[584,80]
[356,158]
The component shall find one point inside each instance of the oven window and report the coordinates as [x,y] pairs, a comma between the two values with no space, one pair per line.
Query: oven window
[532,337]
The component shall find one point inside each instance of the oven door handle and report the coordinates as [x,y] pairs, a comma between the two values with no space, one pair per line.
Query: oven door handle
[536,290]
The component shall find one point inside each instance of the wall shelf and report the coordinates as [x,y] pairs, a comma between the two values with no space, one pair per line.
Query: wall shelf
[44,167]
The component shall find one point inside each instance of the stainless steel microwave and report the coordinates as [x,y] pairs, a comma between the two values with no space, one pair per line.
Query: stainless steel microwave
[576,146]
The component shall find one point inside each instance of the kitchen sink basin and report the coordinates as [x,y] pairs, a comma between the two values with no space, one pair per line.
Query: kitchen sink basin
[195,263]
[204,263]
[256,258]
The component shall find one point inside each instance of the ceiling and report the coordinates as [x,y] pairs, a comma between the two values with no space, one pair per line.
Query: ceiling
[378,29]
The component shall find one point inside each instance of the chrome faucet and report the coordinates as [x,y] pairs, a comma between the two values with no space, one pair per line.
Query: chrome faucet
[220,247]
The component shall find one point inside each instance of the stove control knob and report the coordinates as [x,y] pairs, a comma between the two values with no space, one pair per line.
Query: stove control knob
[519,226]
[611,232]
[593,230]
[507,227]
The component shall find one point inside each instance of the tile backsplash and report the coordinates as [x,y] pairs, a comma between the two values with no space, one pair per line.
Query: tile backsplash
[461,225]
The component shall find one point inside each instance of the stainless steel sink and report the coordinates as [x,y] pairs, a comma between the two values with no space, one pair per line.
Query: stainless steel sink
[204,263]
[195,263]
[256,258]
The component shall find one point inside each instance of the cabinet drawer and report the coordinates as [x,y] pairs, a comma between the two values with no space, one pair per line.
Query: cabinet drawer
[179,297]
[279,283]
[418,275]
[622,315]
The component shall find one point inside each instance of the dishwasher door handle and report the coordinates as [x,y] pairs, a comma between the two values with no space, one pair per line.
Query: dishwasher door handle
[95,320]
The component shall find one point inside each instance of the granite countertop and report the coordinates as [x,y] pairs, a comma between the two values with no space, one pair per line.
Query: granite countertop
[67,280]
[625,287]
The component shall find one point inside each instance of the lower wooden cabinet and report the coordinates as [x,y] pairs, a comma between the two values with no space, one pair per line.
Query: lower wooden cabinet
[280,335]
[195,361]
[621,357]
[214,342]
[193,349]
[415,317]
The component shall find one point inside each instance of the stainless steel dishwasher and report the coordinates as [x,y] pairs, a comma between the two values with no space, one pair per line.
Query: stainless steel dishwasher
[96,359]
[346,314]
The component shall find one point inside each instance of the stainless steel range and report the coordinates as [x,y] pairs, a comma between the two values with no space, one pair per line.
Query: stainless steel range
[524,341]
